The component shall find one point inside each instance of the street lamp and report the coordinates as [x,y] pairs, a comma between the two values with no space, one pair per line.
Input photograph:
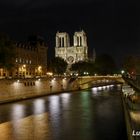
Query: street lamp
[24,66]
[49,73]
[23,69]
[122,71]
[39,70]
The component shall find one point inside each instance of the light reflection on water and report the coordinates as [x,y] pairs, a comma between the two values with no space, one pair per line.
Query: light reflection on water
[6,131]
[100,89]
[28,128]
[54,104]
[39,106]
[65,97]
[79,116]
[18,111]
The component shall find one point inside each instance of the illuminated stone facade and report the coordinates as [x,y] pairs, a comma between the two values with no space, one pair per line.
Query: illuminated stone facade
[30,59]
[71,54]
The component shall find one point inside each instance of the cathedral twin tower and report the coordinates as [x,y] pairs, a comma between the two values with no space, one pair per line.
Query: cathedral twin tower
[71,54]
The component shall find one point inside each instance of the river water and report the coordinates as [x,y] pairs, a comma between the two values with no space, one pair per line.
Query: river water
[93,114]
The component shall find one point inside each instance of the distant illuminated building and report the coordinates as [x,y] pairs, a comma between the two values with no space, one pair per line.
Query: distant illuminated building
[31,58]
[71,54]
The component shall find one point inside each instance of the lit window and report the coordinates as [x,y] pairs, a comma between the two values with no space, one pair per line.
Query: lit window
[30,61]
[27,61]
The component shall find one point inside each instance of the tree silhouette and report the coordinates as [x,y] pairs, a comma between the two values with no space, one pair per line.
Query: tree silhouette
[82,67]
[57,65]
[105,64]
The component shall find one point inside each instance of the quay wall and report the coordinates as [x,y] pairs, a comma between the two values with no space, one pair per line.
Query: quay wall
[12,89]
[23,87]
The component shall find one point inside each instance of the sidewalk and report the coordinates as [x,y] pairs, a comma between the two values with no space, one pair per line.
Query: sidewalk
[132,117]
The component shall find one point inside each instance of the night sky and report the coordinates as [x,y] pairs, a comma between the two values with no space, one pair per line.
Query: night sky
[112,26]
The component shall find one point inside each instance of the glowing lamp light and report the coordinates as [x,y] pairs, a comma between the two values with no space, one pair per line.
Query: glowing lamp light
[122,72]
[39,68]
[49,73]
[99,88]
[94,89]
[77,74]
[86,73]
[39,106]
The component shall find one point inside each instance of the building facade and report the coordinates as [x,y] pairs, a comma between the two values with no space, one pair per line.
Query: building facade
[71,54]
[30,59]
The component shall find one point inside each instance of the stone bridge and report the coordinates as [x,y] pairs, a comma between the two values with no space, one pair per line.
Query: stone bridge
[84,79]
[90,81]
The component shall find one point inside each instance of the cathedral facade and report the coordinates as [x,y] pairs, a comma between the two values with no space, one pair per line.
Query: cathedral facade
[71,53]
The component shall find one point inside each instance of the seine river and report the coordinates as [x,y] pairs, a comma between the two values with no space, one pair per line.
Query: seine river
[94,114]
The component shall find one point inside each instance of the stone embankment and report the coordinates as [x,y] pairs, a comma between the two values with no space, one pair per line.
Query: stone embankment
[18,89]
[132,113]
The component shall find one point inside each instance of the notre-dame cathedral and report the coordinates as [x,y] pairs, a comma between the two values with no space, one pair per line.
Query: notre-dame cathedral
[71,54]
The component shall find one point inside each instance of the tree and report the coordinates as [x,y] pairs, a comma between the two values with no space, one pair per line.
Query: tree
[105,64]
[83,67]
[7,52]
[57,65]
[131,64]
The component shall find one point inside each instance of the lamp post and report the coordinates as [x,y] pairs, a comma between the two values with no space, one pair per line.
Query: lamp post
[122,71]
[24,70]
[39,70]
